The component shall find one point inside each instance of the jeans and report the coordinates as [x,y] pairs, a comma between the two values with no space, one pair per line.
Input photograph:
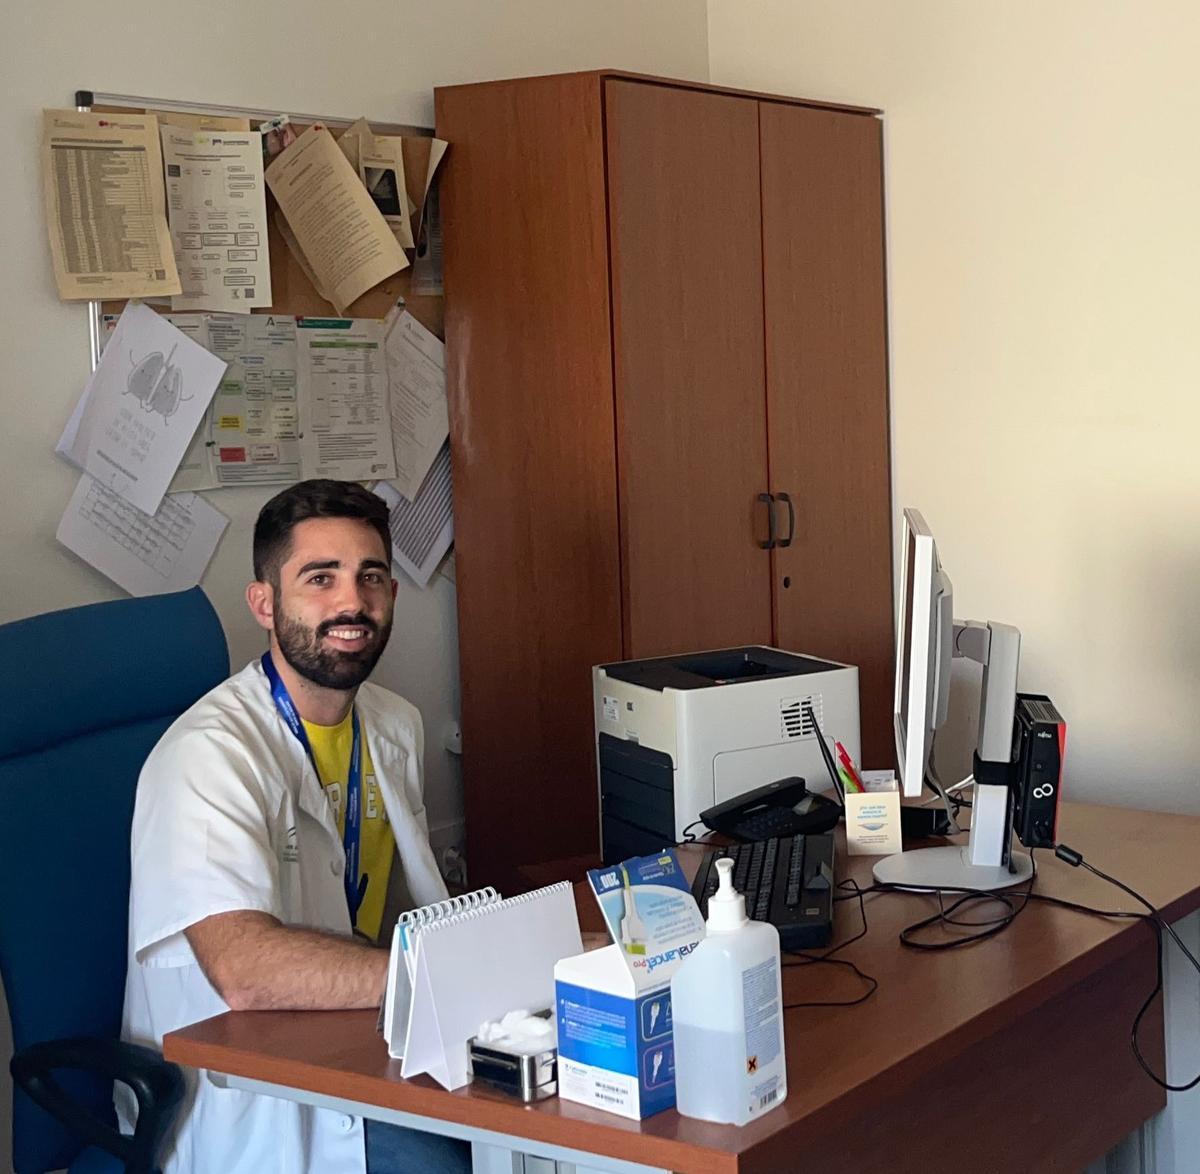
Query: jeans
[392,1149]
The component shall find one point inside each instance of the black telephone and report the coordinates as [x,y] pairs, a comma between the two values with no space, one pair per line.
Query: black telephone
[785,807]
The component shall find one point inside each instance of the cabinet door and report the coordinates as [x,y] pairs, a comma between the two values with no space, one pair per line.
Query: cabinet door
[826,348]
[686,258]
[529,380]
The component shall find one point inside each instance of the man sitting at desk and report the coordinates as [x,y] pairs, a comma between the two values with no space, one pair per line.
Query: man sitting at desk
[264,831]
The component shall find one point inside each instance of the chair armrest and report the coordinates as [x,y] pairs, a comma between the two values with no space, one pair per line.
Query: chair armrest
[157,1084]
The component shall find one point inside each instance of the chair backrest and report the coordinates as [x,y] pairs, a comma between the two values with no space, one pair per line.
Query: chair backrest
[86,694]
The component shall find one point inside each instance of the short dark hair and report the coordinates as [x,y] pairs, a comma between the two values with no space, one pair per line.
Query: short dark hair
[318,498]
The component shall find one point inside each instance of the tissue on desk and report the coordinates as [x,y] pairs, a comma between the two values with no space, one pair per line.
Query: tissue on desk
[519,1031]
[518,1054]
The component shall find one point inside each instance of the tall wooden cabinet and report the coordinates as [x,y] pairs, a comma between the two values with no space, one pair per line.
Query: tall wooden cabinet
[664,302]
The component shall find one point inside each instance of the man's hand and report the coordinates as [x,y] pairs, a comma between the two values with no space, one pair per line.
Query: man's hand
[257,964]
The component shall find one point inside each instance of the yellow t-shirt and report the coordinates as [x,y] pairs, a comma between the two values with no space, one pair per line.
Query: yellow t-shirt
[331,749]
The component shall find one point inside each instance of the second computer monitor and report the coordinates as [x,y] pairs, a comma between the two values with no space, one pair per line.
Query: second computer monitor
[924,636]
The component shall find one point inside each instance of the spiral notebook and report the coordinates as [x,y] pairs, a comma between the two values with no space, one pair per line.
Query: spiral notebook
[401,965]
[470,964]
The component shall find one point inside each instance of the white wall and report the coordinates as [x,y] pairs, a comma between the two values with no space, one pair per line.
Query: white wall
[1043,240]
[381,58]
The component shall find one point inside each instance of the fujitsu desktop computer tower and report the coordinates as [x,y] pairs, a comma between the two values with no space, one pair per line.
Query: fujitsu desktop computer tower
[676,735]
[1039,748]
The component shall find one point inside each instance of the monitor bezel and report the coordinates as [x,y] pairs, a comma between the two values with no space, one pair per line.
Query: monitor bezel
[916,620]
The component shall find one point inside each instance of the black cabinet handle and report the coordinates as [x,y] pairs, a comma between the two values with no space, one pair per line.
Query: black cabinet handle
[770,502]
[783,542]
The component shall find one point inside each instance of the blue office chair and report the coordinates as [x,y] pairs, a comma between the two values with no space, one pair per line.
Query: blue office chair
[84,696]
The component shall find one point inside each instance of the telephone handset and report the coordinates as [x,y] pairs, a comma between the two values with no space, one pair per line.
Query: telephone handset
[785,807]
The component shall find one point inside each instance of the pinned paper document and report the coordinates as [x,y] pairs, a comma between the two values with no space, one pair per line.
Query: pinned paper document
[398,173]
[200,121]
[422,529]
[342,234]
[416,365]
[256,411]
[196,468]
[145,555]
[345,421]
[218,217]
[141,407]
[381,166]
[105,211]
[423,157]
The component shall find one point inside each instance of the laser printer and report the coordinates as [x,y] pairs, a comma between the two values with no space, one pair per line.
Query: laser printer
[676,735]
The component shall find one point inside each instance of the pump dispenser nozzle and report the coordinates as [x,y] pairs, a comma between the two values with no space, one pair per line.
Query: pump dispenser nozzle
[726,907]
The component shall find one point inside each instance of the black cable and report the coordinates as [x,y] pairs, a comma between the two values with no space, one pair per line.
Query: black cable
[994,926]
[829,765]
[989,928]
[805,959]
[1045,899]
[945,916]
[1166,925]
[867,978]
[689,838]
[1156,922]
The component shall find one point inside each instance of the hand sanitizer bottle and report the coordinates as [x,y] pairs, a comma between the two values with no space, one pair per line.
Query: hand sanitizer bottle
[727,1008]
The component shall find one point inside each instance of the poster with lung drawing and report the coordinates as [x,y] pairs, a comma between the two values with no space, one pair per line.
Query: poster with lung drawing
[196,469]
[141,407]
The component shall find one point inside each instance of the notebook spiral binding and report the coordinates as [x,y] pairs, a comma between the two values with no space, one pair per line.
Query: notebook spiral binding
[451,907]
[486,909]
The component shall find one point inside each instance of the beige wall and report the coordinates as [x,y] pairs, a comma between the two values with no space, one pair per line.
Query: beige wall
[381,58]
[1043,239]
[1042,195]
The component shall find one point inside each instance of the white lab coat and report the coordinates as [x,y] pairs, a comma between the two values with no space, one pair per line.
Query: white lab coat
[230,815]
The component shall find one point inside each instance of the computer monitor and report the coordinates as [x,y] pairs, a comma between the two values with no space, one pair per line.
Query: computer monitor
[925,639]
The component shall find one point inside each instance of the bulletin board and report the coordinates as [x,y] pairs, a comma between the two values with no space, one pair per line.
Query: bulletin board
[291,290]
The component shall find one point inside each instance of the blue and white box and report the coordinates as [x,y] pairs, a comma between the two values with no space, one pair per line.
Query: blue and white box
[615,1045]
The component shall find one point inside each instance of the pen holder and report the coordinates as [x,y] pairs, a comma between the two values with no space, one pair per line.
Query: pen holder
[873,820]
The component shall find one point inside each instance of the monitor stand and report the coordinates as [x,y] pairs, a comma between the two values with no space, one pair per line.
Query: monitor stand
[951,868]
[976,865]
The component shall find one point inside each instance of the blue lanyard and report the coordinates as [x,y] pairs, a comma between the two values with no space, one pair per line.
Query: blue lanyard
[355,889]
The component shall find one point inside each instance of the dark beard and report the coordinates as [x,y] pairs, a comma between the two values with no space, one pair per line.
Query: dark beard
[330,668]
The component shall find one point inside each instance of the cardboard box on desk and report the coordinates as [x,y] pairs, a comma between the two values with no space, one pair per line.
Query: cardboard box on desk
[615,1046]
[615,1049]
[873,816]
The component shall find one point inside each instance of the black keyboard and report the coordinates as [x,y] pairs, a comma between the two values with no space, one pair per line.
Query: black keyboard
[787,880]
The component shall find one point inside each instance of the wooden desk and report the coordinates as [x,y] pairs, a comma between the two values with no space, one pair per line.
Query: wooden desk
[1012,1054]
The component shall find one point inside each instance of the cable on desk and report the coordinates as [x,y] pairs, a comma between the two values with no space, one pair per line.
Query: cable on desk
[1156,922]
[802,958]
[945,915]
[985,928]
[689,838]
[991,927]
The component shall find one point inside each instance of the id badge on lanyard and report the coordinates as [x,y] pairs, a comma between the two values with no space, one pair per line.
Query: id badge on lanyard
[355,889]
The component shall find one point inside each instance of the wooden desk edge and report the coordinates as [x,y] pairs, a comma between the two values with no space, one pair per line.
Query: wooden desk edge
[609,1136]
